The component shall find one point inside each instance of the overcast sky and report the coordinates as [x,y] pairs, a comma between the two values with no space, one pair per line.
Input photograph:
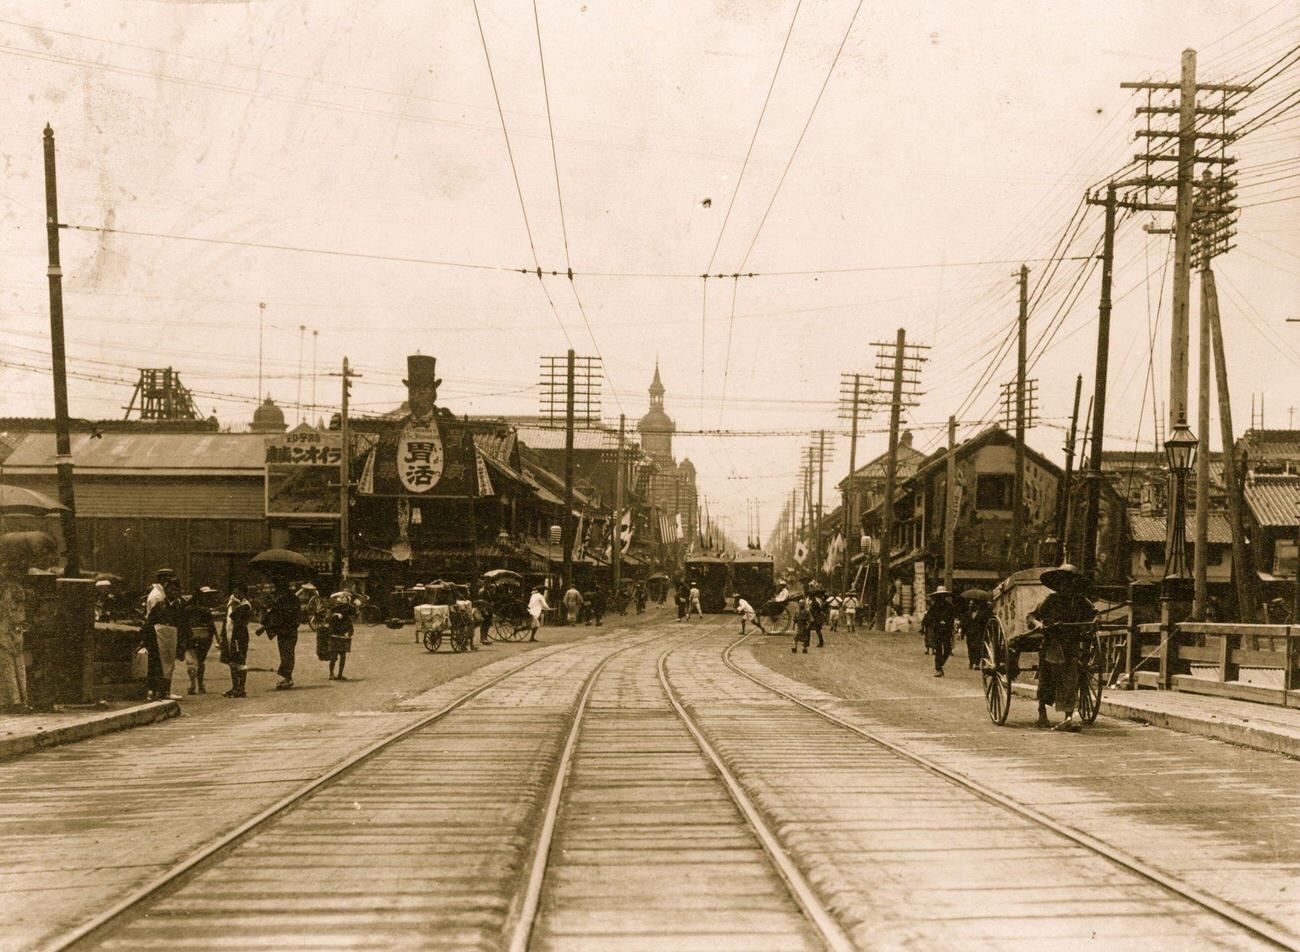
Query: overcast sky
[952,141]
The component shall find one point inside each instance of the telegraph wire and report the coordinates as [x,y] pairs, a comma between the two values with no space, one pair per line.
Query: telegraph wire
[798,142]
[559,199]
[514,171]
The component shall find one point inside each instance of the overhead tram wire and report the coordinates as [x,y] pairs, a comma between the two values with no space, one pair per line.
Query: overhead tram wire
[559,198]
[514,172]
[740,178]
[786,170]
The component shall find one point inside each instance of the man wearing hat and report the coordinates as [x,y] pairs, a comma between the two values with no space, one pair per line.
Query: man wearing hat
[937,626]
[410,457]
[1058,659]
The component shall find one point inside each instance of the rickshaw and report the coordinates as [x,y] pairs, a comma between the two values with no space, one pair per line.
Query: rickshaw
[776,617]
[446,612]
[510,619]
[1008,637]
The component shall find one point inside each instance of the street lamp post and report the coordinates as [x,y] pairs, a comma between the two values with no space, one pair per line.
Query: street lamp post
[1176,589]
[1180,453]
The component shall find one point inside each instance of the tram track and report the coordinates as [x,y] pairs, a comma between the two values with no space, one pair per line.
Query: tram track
[645,791]
[231,892]
[1269,932]
[86,934]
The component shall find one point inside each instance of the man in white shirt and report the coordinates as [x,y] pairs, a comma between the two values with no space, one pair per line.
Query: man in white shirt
[694,603]
[747,614]
[536,605]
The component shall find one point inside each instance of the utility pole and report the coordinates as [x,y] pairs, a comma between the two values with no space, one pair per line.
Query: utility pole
[950,507]
[345,477]
[1243,573]
[1092,484]
[1018,485]
[59,367]
[852,527]
[1063,500]
[1201,527]
[819,565]
[616,536]
[891,474]
[1184,211]
[567,525]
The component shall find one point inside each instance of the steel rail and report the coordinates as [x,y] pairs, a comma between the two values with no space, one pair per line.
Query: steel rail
[95,926]
[823,920]
[1256,925]
[520,922]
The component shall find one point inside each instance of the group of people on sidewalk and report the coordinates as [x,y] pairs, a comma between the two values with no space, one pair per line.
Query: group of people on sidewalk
[185,627]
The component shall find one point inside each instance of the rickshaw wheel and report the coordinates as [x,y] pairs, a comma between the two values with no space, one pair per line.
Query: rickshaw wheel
[432,639]
[995,670]
[461,639]
[1092,678]
[503,629]
[779,623]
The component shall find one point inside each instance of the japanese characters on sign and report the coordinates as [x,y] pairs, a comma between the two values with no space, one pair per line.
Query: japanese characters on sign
[304,447]
[302,473]
[433,458]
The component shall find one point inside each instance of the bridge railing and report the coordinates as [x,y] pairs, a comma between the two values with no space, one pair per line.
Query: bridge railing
[1244,662]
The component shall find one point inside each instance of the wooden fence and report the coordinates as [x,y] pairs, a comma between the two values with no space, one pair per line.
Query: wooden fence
[1244,662]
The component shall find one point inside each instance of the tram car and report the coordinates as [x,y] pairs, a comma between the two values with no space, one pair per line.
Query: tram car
[753,575]
[711,574]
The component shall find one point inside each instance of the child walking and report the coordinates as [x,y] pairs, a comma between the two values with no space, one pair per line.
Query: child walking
[340,629]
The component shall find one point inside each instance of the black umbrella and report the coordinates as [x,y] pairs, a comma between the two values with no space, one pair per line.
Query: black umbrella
[282,563]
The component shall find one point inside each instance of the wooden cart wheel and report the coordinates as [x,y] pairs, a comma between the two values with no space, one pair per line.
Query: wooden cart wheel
[521,628]
[461,638]
[779,622]
[432,639]
[995,671]
[1092,677]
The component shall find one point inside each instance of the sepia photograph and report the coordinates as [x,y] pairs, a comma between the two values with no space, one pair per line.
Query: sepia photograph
[649,475]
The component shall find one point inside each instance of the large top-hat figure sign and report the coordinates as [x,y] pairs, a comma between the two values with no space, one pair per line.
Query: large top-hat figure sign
[424,453]
[419,452]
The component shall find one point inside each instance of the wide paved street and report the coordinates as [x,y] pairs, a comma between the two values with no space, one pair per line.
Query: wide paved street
[641,786]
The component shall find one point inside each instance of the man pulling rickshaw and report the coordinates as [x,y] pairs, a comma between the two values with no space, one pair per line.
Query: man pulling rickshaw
[1061,629]
[1060,619]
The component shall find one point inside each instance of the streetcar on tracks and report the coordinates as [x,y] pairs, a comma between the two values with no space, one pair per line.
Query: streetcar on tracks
[711,574]
[1009,637]
[753,575]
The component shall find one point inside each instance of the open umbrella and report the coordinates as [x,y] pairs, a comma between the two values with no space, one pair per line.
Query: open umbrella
[282,563]
[658,578]
[495,574]
[977,595]
[18,501]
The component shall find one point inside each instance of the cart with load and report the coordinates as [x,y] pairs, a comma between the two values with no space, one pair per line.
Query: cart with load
[1009,636]
[447,613]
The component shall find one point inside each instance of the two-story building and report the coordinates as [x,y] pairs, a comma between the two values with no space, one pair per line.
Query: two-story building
[984,551]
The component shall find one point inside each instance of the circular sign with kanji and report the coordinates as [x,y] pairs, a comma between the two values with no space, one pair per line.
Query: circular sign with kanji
[419,457]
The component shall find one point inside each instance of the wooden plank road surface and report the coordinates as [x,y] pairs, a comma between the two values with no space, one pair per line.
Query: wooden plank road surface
[1222,818]
[908,859]
[86,824]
